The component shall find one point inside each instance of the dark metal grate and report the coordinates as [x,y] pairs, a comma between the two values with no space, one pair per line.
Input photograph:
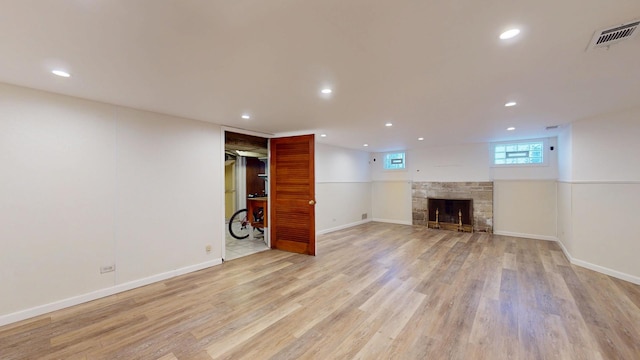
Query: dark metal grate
[607,37]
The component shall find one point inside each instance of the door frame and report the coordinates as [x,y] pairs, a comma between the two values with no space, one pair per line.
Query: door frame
[223,131]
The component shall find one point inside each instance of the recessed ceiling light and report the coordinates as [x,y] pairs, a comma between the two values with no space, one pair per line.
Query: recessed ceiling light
[61,73]
[365,145]
[511,103]
[323,135]
[511,33]
[420,138]
[246,116]
[326,91]
[388,124]
[510,128]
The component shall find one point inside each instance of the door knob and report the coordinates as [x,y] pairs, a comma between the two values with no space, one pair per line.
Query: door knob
[311,202]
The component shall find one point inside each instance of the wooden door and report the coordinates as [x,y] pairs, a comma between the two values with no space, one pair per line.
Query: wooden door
[292,193]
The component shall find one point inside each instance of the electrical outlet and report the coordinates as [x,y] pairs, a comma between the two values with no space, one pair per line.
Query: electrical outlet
[208,249]
[108,268]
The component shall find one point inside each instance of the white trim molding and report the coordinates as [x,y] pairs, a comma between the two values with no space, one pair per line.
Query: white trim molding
[527,236]
[574,261]
[341,227]
[391,221]
[598,182]
[76,300]
[598,268]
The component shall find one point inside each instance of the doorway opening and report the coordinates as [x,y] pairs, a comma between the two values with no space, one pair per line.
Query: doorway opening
[246,188]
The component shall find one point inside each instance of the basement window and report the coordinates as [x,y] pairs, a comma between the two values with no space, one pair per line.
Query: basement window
[519,153]
[394,161]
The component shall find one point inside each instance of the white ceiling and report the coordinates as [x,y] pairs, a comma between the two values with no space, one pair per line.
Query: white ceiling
[435,69]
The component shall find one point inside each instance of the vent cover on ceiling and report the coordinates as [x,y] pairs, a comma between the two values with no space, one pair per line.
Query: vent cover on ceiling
[610,36]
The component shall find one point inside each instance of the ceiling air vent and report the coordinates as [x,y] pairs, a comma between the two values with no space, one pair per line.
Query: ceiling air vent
[610,36]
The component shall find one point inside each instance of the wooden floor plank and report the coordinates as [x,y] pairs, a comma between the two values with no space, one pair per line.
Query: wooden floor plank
[375,291]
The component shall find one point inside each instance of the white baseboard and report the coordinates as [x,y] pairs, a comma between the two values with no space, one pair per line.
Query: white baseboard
[598,268]
[346,226]
[391,221]
[341,227]
[574,261]
[527,236]
[65,303]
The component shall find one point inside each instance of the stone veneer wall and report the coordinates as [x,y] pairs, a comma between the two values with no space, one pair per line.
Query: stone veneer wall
[480,192]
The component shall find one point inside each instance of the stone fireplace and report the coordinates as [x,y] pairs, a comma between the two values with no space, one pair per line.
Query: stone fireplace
[468,202]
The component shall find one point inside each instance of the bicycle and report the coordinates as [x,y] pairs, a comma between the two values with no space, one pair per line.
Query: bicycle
[239,224]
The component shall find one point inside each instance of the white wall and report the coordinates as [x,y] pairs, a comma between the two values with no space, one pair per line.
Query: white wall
[564,189]
[604,219]
[465,162]
[391,201]
[606,148]
[339,165]
[514,187]
[525,208]
[343,187]
[390,192]
[525,197]
[341,205]
[600,198]
[392,188]
[86,184]
[565,215]
[168,193]
[565,153]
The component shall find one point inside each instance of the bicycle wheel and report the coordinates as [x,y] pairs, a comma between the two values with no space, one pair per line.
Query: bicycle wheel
[239,226]
[259,217]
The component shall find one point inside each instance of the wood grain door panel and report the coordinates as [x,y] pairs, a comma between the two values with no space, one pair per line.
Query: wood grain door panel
[292,193]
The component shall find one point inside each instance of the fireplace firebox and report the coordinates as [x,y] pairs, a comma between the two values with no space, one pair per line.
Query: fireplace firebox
[450,214]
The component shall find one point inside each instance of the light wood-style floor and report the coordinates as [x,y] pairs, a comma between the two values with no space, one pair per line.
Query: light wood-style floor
[375,291]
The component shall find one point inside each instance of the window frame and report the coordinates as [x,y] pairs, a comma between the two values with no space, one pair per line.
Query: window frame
[545,152]
[404,160]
